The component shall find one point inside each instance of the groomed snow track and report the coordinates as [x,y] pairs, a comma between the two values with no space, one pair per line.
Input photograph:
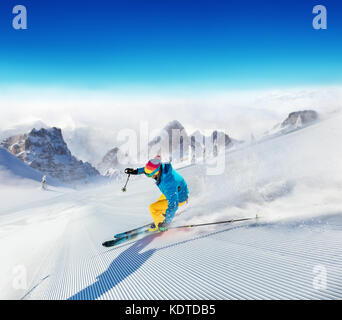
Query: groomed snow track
[239,261]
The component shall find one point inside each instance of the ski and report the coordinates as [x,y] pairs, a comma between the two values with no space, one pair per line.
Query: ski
[133,231]
[131,234]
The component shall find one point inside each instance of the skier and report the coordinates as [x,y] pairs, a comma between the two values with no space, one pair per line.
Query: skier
[173,187]
[44,183]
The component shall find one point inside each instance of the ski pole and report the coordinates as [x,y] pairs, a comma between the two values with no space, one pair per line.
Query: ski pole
[211,223]
[124,188]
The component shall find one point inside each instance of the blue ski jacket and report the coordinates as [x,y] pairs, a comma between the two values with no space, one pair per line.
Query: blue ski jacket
[173,186]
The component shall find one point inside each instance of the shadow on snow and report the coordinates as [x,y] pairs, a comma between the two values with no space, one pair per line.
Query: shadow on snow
[124,265]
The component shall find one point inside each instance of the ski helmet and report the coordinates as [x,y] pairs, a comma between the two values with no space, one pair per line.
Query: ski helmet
[152,167]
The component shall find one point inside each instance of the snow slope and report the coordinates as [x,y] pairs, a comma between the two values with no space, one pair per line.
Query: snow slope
[20,184]
[13,166]
[52,250]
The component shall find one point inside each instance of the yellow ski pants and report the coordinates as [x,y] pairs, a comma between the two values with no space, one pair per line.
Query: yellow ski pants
[159,208]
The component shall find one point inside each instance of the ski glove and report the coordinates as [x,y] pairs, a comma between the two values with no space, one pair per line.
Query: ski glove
[131,171]
[163,226]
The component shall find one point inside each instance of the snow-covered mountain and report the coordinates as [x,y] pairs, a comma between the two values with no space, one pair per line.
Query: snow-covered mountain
[294,121]
[113,159]
[182,145]
[208,146]
[172,143]
[46,151]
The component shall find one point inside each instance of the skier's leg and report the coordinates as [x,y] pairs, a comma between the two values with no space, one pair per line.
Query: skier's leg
[158,209]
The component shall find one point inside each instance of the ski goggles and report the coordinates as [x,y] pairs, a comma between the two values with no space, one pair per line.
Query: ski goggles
[152,173]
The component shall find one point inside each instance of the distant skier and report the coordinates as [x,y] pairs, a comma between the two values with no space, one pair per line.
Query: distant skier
[44,183]
[173,187]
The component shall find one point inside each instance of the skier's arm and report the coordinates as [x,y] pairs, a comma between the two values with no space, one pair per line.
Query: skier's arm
[134,171]
[141,170]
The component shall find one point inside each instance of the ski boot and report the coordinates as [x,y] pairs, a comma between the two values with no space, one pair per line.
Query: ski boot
[152,228]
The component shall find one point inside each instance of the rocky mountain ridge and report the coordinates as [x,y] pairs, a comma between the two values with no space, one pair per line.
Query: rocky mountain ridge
[46,151]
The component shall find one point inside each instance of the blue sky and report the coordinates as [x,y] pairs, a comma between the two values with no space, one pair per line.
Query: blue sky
[170,44]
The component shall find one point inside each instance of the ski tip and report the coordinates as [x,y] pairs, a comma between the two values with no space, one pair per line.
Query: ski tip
[111,243]
[108,243]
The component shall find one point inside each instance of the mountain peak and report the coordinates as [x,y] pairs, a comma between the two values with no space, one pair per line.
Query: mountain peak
[46,151]
[294,121]
[306,116]
[174,124]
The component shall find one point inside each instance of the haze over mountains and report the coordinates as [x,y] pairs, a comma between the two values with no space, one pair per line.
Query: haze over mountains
[45,150]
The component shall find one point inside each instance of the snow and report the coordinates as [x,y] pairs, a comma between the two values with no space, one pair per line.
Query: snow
[51,246]
[14,166]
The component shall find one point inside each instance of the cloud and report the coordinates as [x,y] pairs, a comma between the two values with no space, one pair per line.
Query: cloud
[239,112]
